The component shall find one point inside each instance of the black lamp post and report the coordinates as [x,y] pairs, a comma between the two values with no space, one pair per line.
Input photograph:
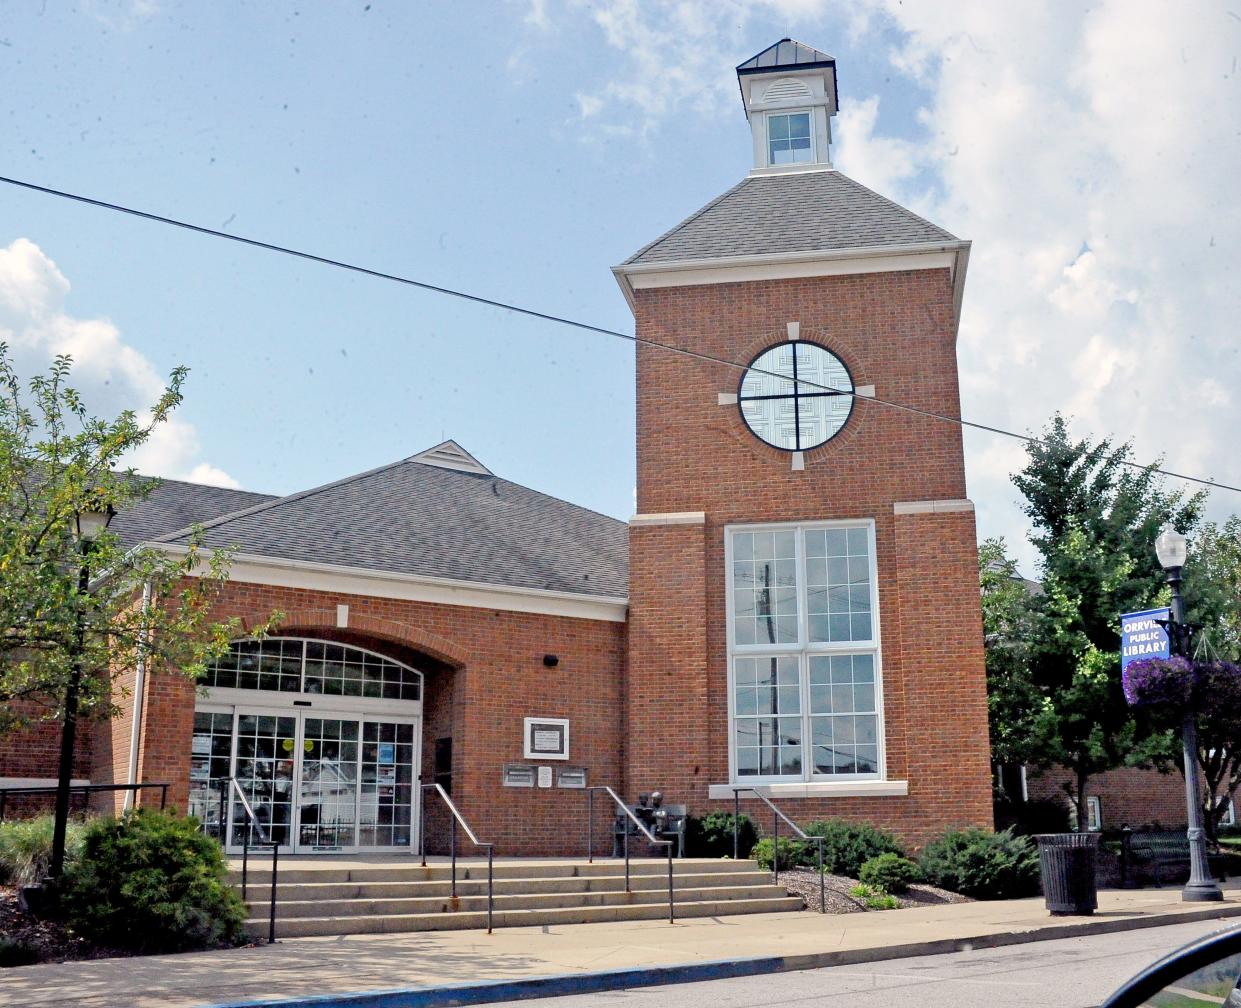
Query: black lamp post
[88,525]
[1201,887]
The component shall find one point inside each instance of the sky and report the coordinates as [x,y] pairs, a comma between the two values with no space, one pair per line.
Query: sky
[518,150]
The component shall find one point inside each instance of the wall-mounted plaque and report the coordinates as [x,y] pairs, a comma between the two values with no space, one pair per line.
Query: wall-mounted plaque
[571,777]
[545,776]
[518,775]
[546,738]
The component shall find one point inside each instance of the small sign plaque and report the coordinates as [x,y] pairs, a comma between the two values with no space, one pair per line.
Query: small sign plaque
[545,776]
[546,739]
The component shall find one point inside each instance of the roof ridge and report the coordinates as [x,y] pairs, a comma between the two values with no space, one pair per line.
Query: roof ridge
[561,500]
[288,498]
[890,202]
[688,220]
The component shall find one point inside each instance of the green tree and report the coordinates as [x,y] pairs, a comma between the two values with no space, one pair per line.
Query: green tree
[1094,517]
[56,462]
[1213,600]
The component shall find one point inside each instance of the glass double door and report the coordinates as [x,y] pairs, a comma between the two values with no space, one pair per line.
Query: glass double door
[316,781]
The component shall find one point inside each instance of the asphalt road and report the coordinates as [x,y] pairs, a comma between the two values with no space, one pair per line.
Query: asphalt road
[1070,973]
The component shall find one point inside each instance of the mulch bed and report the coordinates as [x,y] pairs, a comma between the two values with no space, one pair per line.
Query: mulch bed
[49,941]
[804,882]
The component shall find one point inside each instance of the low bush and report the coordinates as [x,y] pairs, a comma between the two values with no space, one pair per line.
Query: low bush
[983,865]
[26,848]
[873,898]
[712,835]
[152,882]
[14,953]
[792,853]
[848,845]
[890,872]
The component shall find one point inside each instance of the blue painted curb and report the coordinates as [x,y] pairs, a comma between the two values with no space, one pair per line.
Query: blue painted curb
[448,995]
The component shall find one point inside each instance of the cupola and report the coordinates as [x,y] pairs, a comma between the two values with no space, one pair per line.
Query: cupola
[789,93]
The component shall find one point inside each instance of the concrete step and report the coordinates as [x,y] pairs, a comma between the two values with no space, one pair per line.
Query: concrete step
[311,891]
[307,926]
[419,905]
[299,871]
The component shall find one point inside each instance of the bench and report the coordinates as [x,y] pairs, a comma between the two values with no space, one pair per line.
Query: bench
[1157,849]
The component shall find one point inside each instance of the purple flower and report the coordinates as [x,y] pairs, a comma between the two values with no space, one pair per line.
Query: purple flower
[1159,682]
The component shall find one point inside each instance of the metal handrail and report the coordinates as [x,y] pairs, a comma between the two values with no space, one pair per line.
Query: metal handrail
[776,816]
[229,785]
[457,817]
[83,788]
[651,837]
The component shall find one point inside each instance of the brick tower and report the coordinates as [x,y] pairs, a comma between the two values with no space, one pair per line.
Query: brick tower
[804,602]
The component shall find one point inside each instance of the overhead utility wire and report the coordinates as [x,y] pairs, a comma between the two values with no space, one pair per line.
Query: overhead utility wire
[561,320]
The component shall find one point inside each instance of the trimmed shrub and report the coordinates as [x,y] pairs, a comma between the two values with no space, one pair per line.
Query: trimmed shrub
[792,853]
[14,953]
[152,882]
[26,848]
[987,866]
[848,845]
[712,835]
[890,872]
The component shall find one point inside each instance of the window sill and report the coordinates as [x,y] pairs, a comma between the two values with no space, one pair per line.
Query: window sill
[821,789]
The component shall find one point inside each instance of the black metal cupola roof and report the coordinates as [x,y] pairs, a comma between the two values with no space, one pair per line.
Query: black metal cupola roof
[787,54]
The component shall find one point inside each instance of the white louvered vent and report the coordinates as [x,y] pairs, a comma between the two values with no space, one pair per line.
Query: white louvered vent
[787,89]
[451,455]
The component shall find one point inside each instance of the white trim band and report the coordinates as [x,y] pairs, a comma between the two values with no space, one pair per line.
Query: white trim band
[283,573]
[820,789]
[669,518]
[931,506]
[39,782]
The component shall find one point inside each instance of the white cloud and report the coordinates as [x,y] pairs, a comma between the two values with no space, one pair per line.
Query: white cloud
[110,375]
[1088,151]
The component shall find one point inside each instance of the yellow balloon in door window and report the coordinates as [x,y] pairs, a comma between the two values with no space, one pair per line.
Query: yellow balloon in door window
[309,745]
[287,745]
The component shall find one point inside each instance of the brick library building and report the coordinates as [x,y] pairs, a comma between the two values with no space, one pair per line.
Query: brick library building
[794,607]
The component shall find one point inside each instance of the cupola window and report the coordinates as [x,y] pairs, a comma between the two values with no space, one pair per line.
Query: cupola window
[788,139]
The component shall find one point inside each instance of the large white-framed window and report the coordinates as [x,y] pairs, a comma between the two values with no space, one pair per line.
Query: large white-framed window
[804,660]
[790,138]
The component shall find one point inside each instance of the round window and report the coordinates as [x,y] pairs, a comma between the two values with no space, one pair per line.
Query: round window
[796,395]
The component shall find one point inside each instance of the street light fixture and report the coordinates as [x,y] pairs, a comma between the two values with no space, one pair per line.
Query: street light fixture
[1170,547]
[88,523]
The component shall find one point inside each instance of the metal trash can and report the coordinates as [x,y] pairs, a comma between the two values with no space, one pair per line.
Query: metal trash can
[1067,865]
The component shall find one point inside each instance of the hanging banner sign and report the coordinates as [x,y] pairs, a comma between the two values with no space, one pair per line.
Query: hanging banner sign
[1142,637]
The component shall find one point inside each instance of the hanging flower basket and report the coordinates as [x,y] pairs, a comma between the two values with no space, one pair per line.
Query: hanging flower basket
[1159,682]
[1171,683]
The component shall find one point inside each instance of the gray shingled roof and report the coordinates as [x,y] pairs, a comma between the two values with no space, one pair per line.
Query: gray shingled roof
[785,53]
[173,505]
[414,518]
[813,211]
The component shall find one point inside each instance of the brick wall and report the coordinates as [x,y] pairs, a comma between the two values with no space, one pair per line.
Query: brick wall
[485,674]
[895,331]
[1126,795]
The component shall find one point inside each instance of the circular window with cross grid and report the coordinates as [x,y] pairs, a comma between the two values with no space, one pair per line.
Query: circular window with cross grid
[796,395]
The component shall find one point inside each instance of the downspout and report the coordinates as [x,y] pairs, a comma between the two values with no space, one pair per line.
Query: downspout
[135,731]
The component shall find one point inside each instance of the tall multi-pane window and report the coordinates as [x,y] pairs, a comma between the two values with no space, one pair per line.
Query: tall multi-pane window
[804,651]
[788,139]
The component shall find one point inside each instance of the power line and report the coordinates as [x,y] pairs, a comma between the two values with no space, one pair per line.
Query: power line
[561,320]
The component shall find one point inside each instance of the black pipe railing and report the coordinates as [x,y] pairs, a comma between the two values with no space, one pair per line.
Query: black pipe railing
[651,838]
[776,816]
[227,785]
[83,789]
[457,817]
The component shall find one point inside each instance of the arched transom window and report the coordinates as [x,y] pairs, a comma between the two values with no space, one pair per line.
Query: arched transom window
[316,667]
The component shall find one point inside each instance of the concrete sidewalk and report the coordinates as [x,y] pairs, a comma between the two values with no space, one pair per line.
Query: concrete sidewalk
[306,967]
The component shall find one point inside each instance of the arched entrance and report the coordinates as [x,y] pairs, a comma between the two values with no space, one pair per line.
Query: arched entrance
[323,737]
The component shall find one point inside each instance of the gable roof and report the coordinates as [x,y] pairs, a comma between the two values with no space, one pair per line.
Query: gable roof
[424,519]
[173,505]
[785,54]
[812,211]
